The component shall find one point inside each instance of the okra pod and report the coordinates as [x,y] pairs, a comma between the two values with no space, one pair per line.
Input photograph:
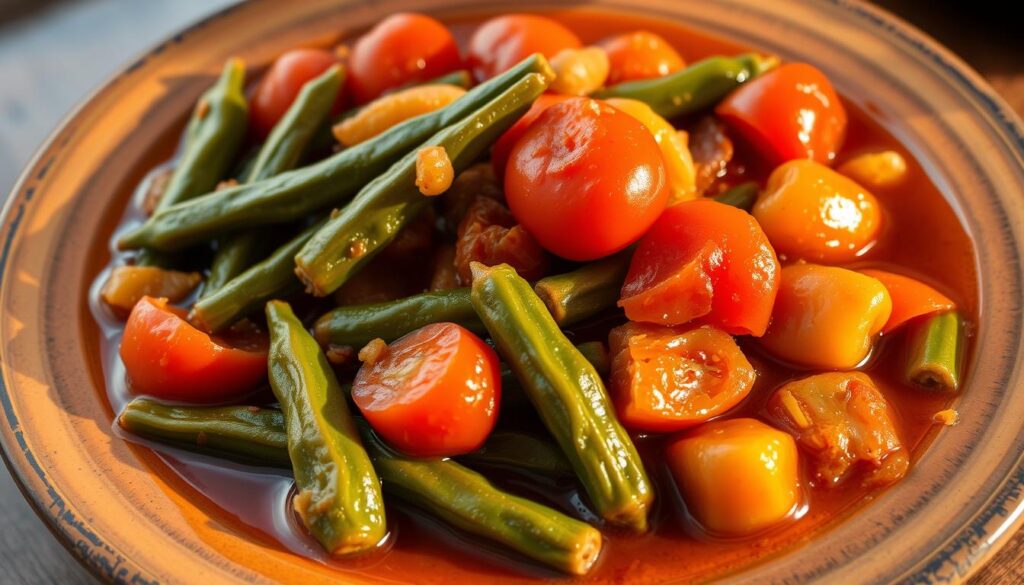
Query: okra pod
[244,433]
[694,88]
[296,194]
[742,196]
[389,202]
[467,501]
[578,295]
[516,451]
[272,278]
[338,493]
[935,351]
[567,393]
[596,353]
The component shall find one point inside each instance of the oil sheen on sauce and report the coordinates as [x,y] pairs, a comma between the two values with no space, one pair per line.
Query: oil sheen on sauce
[254,501]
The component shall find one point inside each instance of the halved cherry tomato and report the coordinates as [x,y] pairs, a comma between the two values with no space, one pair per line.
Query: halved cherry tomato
[705,261]
[503,41]
[586,179]
[282,83]
[788,113]
[432,393]
[640,55]
[503,146]
[403,48]
[670,378]
[910,298]
[167,358]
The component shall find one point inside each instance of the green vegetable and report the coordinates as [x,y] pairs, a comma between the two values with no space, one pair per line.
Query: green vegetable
[742,196]
[245,433]
[578,295]
[466,500]
[694,88]
[460,78]
[935,352]
[389,202]
[516,451]
[234,254]
[272,278]
[295,194]
[596,353]
[338,494]
[567,393]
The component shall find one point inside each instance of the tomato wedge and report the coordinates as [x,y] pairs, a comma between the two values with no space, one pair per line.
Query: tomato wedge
[911,298]
[669,378]
[706,261]
[167,358]
[432,393]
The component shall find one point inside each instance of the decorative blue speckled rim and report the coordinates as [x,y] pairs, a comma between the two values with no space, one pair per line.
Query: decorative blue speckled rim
[74,533]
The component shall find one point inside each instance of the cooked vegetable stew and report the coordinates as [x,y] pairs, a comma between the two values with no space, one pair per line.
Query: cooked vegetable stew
[595,295]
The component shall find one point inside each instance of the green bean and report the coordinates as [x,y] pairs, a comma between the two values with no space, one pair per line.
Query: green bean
[338,494]
[514,397]
[460,78]
[467,501]
[516,451]
[244,433]
[935,351]
[567,393]
[295,194]
[274,277]
[694,88]
[578,295]
[742,196]
[390,201]
[234,255]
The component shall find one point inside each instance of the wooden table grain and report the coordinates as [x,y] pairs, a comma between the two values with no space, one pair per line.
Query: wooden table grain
[52,53]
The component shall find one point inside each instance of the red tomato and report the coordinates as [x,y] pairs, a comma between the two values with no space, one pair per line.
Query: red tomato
[503,146]
[282,83]
[639,55]
[432,393]
[788,113]
[501,42]
[586,179]
[705,261]
[911,298]
[403,48]
[167,358]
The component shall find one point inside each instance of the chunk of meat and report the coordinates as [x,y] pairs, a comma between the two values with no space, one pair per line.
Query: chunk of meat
[476,181]
[842,421]
[444,276]
[711,150]
[489,234]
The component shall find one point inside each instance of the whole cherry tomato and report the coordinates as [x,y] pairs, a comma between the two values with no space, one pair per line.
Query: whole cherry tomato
[501,42]
[282,83]
[639,55]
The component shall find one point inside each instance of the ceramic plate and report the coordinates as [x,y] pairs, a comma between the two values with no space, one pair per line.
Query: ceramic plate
[100,495]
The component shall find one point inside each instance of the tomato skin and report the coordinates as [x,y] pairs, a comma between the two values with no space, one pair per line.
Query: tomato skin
[503,41]
[911,298]
[586,180]
[432,393]
[282,84]
[639,55]
[704,261]
[789,113]
[167,358]
[403,48]
[502,148]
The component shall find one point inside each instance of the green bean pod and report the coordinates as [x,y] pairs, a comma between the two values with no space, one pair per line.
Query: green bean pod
[389,202]
[467,501]
[234,255]
[295,194]
[567,393]
[244,433]
[935,351]
[578,295]
[694,88]
[338,493]
[742,196]
[272,278]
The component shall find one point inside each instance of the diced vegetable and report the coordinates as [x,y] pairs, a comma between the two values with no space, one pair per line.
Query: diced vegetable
[579,71]
[843,422]
[432,393]
[489,234]
[434,171]
[567,393]
[791,112]
[703,260]
[338,495]
[503,41]
[167,358]
[935,352]
[587,291]
[640,55]
[393,109]
[826,317]
[667,379]
[585,179]
[876,170]
[737,477]
[911,298]
[126,286]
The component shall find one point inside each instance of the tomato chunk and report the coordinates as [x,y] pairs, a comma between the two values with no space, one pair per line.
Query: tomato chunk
[282,84]
[503,41]
[788,113]
[640,55]
[911,298]
[703,260]
[166,357]
[432,393]
[842,421]
[669,378]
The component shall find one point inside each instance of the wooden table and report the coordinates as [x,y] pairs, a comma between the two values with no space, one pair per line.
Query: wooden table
[50,58]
